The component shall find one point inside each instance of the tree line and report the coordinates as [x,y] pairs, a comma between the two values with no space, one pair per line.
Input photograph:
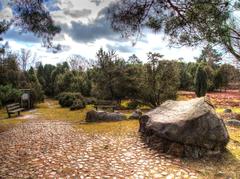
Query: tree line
[111,77]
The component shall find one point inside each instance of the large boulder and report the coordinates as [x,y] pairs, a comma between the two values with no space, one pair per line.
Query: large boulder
[193,124]
[95,116]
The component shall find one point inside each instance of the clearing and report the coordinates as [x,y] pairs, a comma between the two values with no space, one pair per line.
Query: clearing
[53,142]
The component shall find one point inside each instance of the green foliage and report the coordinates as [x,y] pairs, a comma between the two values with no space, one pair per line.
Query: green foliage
[9,70]
[218,79]
[201,81]
[132,104]
[66,99]
[210,56]
[187,23]
[161,80]
[77,104]
[227,73]
[186,78]
[34,17]
[35,86]
[40,75]
[8,94]
[210,77]
[49,81]
[113,78]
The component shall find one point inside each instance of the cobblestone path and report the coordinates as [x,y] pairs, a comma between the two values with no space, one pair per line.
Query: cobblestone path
[47,149]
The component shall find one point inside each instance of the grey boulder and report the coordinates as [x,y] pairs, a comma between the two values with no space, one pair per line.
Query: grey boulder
[95,116]
[233,122]
[136,114]
[227,111]
[193,124]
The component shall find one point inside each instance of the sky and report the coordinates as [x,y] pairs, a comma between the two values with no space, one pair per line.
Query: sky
[85,29]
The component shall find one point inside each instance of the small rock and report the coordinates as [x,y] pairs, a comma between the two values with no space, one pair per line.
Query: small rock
[227,111]
[233,122]
[136,114]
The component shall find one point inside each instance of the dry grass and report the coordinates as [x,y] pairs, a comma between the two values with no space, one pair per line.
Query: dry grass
[3,113]
[51,110]
[234,109]
[8,123]
[234,144]
[121,128]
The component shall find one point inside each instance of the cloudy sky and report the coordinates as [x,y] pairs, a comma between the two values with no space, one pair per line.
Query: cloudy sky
[85,29]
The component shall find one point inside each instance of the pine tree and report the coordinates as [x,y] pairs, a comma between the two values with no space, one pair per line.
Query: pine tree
[40,75]
[201,81]
[35,86]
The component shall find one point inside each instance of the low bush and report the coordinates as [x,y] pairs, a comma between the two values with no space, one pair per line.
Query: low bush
[8,94]
[132,105]
[77,104]
[66,99]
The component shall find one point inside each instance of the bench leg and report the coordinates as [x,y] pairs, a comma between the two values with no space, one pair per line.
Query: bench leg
[9,115]
[18,113]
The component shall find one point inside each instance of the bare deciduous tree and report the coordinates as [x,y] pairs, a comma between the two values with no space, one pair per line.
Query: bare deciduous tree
[26,59]
[78,62]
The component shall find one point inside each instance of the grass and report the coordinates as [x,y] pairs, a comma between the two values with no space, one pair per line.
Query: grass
[51,110]
[234,109]
[121,128]
[234,144]
[3,113]
[6,124]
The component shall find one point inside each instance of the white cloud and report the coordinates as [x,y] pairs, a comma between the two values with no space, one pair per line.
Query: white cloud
[90,42]
[6,13]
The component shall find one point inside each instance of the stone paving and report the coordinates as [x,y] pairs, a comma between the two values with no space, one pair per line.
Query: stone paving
[47,149]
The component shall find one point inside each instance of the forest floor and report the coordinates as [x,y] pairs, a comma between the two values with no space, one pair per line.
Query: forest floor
[53,142]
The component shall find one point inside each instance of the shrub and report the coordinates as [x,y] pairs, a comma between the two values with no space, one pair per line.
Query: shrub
[66,99]
[77,104]
[132,105]
[8,94]
[37,94]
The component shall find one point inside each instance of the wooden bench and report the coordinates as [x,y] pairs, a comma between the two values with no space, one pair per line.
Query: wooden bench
[102,104]
[14,108]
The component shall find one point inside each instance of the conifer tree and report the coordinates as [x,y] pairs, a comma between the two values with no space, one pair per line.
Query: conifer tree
[201,81]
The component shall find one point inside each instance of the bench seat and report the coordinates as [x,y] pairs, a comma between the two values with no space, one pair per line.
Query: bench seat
[14,108]
[105,105]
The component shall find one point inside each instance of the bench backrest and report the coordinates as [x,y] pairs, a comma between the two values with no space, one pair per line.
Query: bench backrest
[13,106]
